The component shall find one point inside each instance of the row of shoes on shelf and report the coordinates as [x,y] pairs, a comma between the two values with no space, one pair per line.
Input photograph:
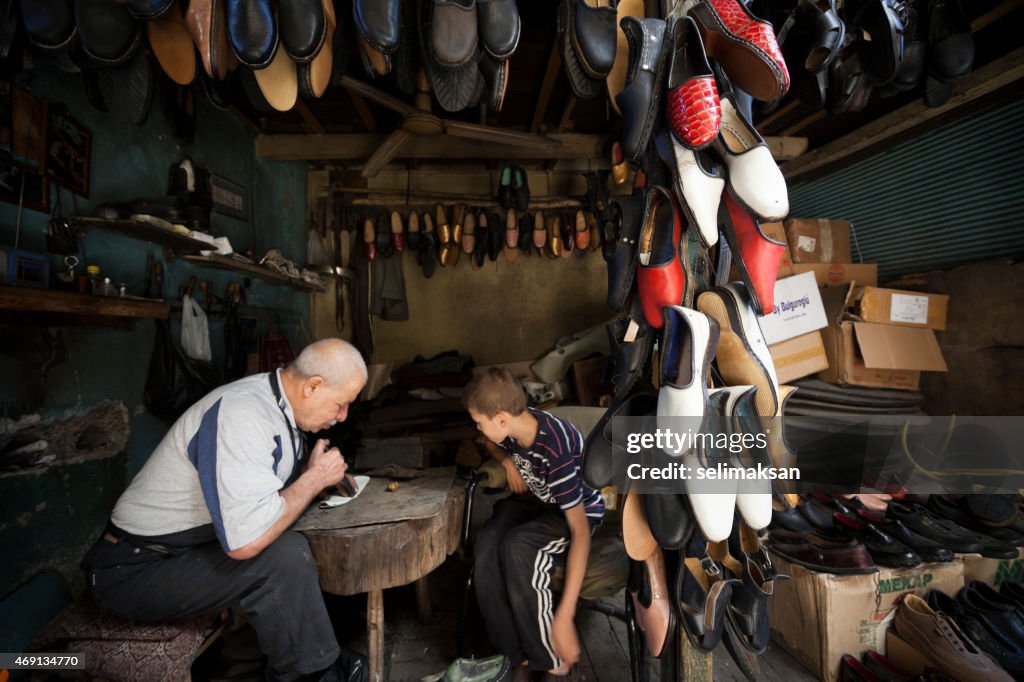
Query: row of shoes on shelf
[837,534]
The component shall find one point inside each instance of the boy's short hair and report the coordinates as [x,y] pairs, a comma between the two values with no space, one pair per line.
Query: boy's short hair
[496,390]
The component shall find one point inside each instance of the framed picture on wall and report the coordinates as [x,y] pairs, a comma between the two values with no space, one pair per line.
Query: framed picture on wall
[25,183]
[68,152]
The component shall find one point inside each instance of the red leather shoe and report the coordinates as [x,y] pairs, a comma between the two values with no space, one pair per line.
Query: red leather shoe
[369,240]
[692,107]
[660,278]
[744,45]
[398,238]
[757,256]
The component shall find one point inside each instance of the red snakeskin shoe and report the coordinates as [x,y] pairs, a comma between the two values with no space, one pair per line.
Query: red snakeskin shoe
[692,107]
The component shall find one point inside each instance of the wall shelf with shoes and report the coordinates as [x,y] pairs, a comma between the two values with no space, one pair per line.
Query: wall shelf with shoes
[266,274]
[137,229]
[28,299]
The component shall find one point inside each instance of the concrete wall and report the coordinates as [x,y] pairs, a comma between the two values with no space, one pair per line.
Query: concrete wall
[62,509]
[504,312]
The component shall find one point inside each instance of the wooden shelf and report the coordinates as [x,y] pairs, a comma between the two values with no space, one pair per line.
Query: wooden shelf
[144,231]
[27,299]
[266,274]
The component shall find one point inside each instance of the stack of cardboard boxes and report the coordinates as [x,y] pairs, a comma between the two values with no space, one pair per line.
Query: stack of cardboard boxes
[832,319]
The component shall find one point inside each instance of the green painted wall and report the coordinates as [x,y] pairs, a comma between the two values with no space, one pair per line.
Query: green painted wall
[49,518]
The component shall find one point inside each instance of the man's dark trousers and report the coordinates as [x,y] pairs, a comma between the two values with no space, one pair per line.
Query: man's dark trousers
[278,590]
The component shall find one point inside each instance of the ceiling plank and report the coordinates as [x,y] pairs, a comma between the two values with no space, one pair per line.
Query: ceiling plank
[777,114]
[550,76]
[995,14]
[359,147]
[987,79]
[800,125]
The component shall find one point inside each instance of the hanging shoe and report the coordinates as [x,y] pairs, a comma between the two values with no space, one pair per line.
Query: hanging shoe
[506,194]
[756,255]
[744,45]
[591,31]
[428,256]
[444,236]
[698,183]
[660,278]
[600,452]
[704,590]
[415,240]
[713,500]
[753,496]
[520,188]
[526,234]
[398,237]
[640,99]
[369,240]
[616,79]
[748,607]
[753,176]
[582,235]
[620,167]
[743,357]
[622,262]
[458,215]
[540,232]
[691,104]
[688,342]
[469,234]
[511,235]
[555,237]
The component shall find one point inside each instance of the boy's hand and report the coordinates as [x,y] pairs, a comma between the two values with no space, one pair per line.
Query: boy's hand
[564,639]
[515,482]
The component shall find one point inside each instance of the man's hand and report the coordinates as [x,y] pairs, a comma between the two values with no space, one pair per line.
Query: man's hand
[515,482]
[563,637]
[327,465]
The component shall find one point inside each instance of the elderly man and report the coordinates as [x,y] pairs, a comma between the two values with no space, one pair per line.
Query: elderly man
[204,524]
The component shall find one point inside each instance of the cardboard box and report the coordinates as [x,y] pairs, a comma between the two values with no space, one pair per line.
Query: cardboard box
[818,617]
[908,308]
[798,310]
[799,357]
[818,240]
[993,571]
[833,274]
[874,355]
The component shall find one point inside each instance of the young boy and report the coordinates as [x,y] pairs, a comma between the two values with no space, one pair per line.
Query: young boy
[529,535]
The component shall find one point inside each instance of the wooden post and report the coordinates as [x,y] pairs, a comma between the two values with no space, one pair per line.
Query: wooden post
[423,608]
[375,634]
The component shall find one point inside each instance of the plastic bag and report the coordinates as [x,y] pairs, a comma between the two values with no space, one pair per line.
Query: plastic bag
[174,382]
[195,332]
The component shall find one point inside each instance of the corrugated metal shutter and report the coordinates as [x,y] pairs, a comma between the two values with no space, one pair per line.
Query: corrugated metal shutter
[952,196]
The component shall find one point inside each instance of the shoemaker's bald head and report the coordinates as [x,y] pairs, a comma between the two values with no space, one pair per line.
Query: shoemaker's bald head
[320,384]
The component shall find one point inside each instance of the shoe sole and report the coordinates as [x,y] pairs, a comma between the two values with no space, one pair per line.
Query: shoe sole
[734,342]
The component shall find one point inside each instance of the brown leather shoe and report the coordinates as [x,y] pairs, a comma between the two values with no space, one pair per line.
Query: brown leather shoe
[444,236]
[207,23]
[511,235]
[825,558]
[947,649]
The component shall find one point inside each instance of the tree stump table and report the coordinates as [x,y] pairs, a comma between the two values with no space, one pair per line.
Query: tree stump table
[372,558]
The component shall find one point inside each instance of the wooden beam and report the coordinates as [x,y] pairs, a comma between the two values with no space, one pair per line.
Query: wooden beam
[359,147]
[987,79]
[777,114]
[995,14]
[309,118]
[800,125]
[364,111]
[554,67]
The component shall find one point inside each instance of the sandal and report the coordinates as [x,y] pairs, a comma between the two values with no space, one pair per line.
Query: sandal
[882,50]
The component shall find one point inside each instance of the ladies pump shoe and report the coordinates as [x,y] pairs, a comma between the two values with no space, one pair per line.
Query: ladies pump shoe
[698,183]
[691,105]
[688,344]
[744,45]
[757,255]
[641,97]
[754,177]
[743,356]
[660,277]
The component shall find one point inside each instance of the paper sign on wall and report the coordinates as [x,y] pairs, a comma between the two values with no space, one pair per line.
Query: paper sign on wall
[798,309]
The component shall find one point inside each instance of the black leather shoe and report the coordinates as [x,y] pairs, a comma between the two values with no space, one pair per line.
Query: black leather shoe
[622,263]
[499,26]
[252,31]
[453,32]
[884,549]
[495,236]
[303,28]
[379,22]
[928,550]
[628,359]
[145,10]
[974,624]
[994,599]
[1002,620]
[957,512]
[748,608]
[592,31]
[50,24]
[885,669]
[495,73]
[583,86]
[600,453]
[670,520]
[703,591]
[959,539]
[791,520]
[1014,592]
[526,233]
[640,100]
[818,516]
[108,33]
